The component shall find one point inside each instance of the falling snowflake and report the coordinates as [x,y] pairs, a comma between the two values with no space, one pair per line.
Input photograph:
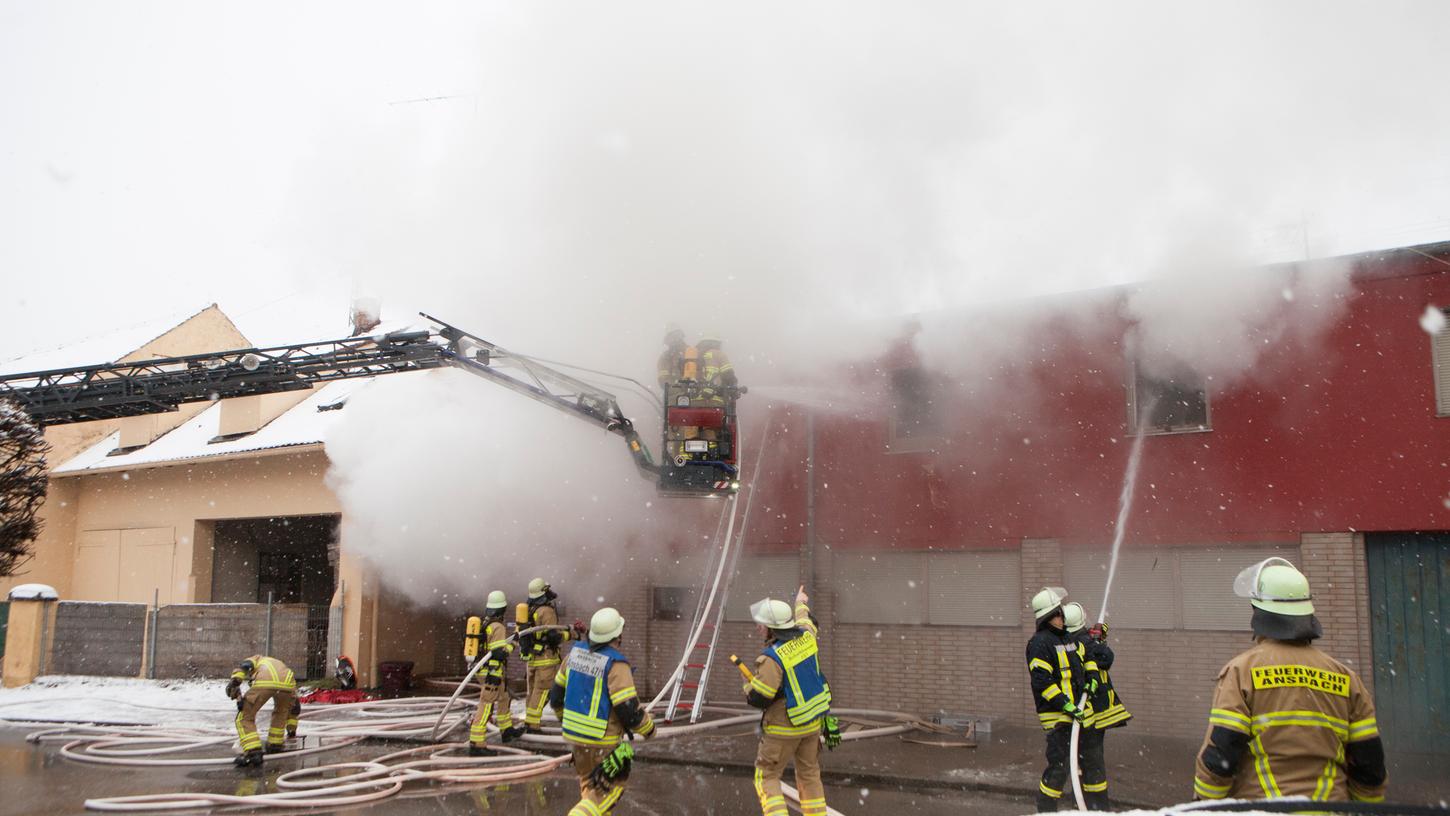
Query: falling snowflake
[1433,320]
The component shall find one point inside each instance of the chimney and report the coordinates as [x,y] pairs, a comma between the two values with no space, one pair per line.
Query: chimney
[366,315]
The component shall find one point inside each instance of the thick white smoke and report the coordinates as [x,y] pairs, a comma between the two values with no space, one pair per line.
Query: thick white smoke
[564,179]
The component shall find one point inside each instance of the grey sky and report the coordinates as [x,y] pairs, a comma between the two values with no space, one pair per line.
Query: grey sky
[598,168]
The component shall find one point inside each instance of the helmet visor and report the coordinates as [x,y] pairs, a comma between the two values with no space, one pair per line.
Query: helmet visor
[1246,585]
[760,611]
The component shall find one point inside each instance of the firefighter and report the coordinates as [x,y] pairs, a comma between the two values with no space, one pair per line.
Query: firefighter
[493,700]
[594,697]
[541,652]
[1288,719]
[795,700]
[269,679]
[715,367]
[1055,665]
[1108,710]
[672,359]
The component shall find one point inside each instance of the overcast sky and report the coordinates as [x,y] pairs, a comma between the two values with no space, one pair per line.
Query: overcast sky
[607,166]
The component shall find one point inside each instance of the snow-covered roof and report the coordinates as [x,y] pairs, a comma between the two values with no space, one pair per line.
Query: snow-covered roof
[302,424]
[107,347]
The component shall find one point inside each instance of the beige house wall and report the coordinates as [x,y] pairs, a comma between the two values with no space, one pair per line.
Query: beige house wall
[120,515]
[207,330]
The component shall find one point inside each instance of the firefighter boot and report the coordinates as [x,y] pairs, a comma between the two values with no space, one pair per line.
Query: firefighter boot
[249,759]
[511,734]
[1045,803]
[476,750]
[1097,801]
[275,748]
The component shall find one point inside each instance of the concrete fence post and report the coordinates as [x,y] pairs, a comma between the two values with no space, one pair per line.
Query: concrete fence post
[27,641]
[152,619]
[268,650]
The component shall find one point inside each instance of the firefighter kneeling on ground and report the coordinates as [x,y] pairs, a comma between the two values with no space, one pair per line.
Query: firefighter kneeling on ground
[593,696]
[270,679]
[493,699]
[541,652]
[796,701]
[1055,665]
[1288,719]
[1108,709]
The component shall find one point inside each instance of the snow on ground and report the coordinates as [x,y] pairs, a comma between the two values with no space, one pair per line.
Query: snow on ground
[71,698]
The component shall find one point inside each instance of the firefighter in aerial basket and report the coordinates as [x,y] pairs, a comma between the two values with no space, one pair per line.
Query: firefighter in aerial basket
[594,698]
[1055,664]
[1288,719]
[493,700]
[1108,709]
[795,700]
[269,679]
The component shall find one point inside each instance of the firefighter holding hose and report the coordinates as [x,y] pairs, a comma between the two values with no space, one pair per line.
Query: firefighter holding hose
[493,700]
[1107,707]
[1055,664]
[269,679]
[795,700]
[594,697]
[541,651]
[1288,719]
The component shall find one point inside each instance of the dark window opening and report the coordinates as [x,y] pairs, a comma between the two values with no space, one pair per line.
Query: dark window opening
[1171,404]
[915,417]
[670,602]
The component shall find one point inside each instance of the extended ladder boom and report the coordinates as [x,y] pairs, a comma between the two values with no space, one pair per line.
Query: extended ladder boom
[115,390]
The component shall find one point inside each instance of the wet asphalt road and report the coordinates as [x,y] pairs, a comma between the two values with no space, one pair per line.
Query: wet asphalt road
[36,781]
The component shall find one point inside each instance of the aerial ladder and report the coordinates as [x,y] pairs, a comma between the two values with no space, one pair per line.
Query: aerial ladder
[117,390]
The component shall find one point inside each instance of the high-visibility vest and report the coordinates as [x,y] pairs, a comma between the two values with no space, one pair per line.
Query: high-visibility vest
[807,697]
[587,702]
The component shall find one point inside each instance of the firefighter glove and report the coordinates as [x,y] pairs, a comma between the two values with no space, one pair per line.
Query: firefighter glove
[1075,711]
[832,730]
[614,768]
[1098,632]
[580,630]
[1092,685]
[234,689]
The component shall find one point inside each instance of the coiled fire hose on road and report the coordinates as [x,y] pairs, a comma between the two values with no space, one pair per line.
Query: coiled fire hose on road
[359,782]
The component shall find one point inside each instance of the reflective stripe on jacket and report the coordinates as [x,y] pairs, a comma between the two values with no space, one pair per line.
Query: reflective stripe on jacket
[1297,710]
[267,673]
[495,636]
[1055,666]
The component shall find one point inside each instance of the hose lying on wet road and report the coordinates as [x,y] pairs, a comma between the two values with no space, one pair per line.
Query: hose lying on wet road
[359,782]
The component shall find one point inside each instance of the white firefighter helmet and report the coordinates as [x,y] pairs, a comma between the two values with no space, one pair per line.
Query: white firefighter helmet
[1048,602]
[537,588]
[772,614]
[1073,617]
[496,602]
[606,625]
[1277,586]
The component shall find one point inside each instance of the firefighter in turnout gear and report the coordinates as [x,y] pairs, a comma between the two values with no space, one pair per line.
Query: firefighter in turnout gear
[269,679]
[1288,719]
[796,701]
[1108,710]
[493,700]
[594,697]
[1055,664]
[541,652]
[672,359]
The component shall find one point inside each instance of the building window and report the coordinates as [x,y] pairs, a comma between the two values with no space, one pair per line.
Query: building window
[1440,353]
[672,603]
[915,417]
[1168,404]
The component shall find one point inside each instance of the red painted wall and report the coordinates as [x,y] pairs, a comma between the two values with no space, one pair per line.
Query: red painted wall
[1331,430]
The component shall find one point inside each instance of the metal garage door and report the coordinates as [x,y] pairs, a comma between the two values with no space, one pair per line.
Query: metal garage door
[1409,594]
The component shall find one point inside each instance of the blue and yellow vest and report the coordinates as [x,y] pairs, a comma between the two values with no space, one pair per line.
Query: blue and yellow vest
[587,702]
[807,696]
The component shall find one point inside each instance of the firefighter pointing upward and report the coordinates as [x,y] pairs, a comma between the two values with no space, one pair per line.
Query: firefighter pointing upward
[1288,719]
[796,702]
